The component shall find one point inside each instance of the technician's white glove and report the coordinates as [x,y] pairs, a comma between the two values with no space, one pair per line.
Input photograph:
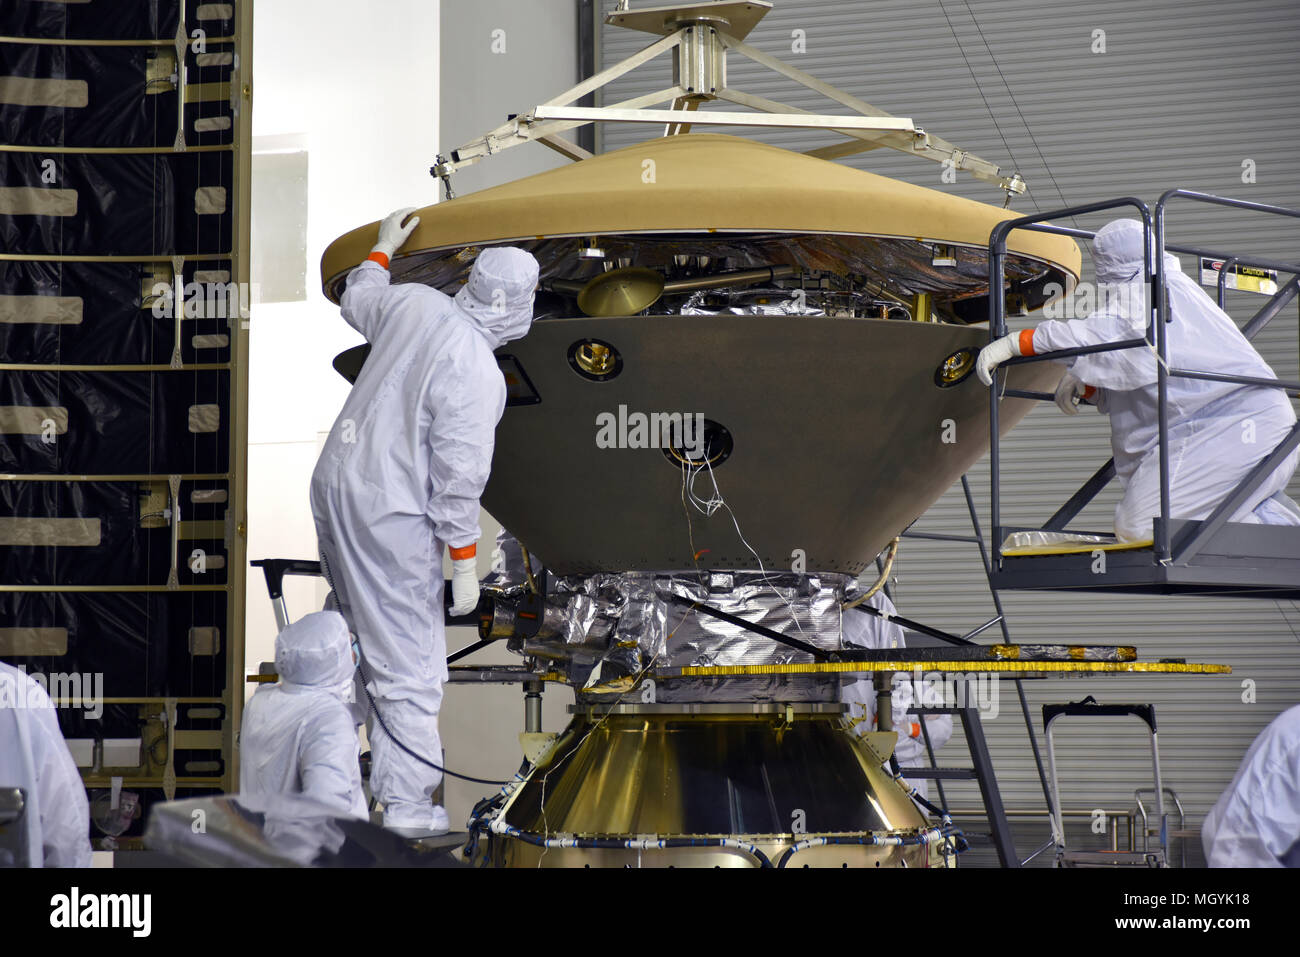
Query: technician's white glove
[464,585]
[1070,393]
[995,353]
[392,233]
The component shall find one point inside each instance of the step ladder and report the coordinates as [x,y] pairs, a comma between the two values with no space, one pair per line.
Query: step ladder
[981,771]
[1148,856]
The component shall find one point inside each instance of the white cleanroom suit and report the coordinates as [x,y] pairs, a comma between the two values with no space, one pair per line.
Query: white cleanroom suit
[865,630]
[34,757]
[298,735]
[400,478]
[1218,431]
[1256,821]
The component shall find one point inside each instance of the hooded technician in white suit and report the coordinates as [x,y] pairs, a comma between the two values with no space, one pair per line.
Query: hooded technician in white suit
[400,479]
[298,736]
[34,757]
[1218,431]
[1256,821]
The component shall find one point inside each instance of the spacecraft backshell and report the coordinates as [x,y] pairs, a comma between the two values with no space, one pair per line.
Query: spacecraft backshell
[700,182]
[840,437]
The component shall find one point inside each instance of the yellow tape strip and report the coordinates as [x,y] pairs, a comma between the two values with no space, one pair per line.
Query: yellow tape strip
[966,667]
[1076,652]
[1084,549]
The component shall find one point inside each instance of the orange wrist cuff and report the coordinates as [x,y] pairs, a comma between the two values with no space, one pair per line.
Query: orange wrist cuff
[468,551]
[1089,392]
[378,257]
[916,729]
[1026,342]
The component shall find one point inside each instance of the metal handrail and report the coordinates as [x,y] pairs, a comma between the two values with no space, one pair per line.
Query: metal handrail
[1153,276]
[1112,822]
[1192,541]
[1162,830]
[998,322]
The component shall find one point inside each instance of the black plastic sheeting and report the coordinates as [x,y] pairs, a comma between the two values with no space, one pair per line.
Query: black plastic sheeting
[131,205]
[152,796]
[119,112]
[210,72]
[94,20]
[139,641]
[117,327]
[127,553]
[118,423]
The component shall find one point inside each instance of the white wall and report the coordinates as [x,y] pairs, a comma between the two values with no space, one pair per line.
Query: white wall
[359,91]
[480,724]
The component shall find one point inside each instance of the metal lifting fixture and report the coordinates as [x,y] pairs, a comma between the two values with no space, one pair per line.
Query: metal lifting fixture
[699,36]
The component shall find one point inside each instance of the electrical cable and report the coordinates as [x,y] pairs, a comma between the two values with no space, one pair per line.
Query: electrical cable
[979,89]
[708,508]
[528,568]
[365,686]
[1028,129]
[398,741]
[891,550]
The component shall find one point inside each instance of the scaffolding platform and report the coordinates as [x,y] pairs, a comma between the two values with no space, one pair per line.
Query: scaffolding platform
[1210,556]
[1246,561]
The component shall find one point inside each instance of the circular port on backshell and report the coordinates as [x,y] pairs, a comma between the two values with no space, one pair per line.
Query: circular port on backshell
[595,360]
[695,451]
[955,368]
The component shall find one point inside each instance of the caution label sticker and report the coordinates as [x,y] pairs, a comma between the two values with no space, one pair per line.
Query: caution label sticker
[1242,278]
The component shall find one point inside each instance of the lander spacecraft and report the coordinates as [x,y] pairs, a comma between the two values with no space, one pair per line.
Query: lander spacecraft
[821,321]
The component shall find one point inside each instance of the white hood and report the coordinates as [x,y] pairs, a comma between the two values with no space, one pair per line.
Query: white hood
[498,298]
[315,654]
[1117,252]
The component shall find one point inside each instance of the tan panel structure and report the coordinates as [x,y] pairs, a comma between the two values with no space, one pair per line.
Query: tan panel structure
[699,182]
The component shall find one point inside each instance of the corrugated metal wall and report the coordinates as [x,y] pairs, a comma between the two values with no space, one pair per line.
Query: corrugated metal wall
[1183,94]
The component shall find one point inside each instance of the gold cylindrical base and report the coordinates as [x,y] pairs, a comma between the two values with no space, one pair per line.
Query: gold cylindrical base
[767,780]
